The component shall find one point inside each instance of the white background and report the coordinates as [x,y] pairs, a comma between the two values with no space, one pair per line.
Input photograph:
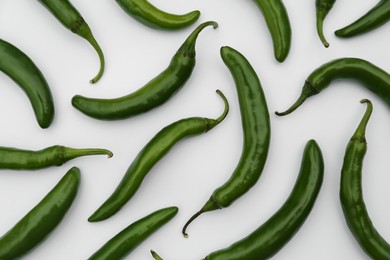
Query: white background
[187,176]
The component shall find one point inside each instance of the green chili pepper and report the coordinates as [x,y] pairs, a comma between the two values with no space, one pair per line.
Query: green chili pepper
[156,148]
[351,194]
[256,130]
[151,16]
[67,14]
[154,93]
[33,228]
[269,238]
[155,255]
[19,67]
[322,9]
[16,159]
[376,17]
[128,239]
[371,76]
[278,23]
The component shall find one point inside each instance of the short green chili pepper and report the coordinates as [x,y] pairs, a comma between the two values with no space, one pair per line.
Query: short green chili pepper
[128,239]
[151,16]
[351,194]
[19,67]
[153,151]
[374,18]
[33,228]
[278,23]
[270,237]
[371,76]
[256,131]
[322,9]
[17,159]
[68,15]
[154,93]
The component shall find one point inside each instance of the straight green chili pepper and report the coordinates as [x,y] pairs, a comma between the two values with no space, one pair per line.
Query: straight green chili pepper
[322,9]
[351,194]
[270,238]
[68,15]
[278,23]
[128,239]
[149,15]
[374,18]
[256,130]
[17,159]
[372,77]
[153,151]
[19,67]
[154,93]
[34,227]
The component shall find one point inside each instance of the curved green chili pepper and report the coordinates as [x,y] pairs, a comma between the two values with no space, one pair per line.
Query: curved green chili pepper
[33,228]
[270,238]
[376,17]
[154,150]
[322,9]
[151,16]
[371,76]
[16,159]
[19,67]
[128,239]
[351,194]
[278,23]
[65,12]
[154,93]
[256,130]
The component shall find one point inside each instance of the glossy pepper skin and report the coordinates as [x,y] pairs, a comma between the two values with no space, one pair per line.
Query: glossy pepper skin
[153,94]
[17,159]
[149,15]
[68,15]
[256,134]
[34,227]
[19,67]
[372,77]
[374,18]
[128,239]
[351,194]
[322,9]
[153,151]
[270,237]
[278,23]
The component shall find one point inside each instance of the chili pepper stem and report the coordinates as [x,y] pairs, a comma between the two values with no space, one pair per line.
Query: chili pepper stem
[85,32]
[297,104]
[155,255]
[361,129]
[71,153]
[214,122]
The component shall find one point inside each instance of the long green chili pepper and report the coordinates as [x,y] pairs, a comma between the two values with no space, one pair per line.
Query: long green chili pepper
[371,76]
[68,15]
[351,194]
[128,239]
[151,16]
[256,130]
[19,67]
[374,18]
[17,159]
[278,23]
[154,93]
[270,237]
[154,150]
[34,227]
[322,9]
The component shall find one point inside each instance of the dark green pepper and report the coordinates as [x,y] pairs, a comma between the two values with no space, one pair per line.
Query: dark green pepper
[153,151]
[19,67]
[128,239]
[322,9]
[351,194]
[151,16]
[68,15]
[154,93]
[33,228]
